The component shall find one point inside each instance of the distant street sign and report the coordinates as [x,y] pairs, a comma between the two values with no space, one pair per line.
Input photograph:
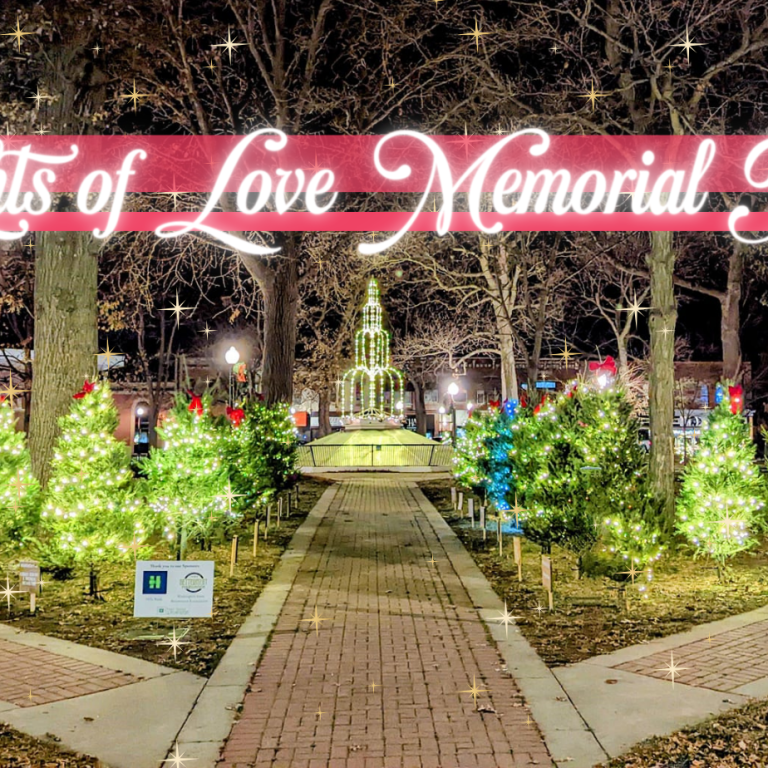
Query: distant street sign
[170,588]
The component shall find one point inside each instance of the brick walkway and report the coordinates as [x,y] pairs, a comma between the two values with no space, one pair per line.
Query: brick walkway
[379,684]
[722,662]
[31,676]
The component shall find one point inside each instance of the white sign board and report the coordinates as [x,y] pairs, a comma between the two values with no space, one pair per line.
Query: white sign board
[29,576]
[173,588]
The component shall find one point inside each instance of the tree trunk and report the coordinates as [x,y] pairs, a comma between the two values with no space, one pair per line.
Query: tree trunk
[280,288]
[324,413]
[66,339]
[730,318]
[508,369]
[420,407]
[663,316]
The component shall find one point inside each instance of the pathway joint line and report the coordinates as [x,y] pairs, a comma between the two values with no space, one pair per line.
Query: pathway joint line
[212,715]
[566,732]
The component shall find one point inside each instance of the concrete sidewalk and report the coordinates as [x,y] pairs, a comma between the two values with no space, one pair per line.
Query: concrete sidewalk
[123,710]
[627,696]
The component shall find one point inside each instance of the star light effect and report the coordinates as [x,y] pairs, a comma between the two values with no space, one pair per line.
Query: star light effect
[632,572]
[38,97]
[672,669]
[229,45]
[474,690]
[432,561]
[17,33]
[634,309]
[593,96]
[477,34]
[516,510]
[506,618]
[207,331]
[10,391]
[9,592]
[315,621]
[177,760]
[687,45]
[108,354]
[177,309]
[175,642]
[567,353]
[134,96]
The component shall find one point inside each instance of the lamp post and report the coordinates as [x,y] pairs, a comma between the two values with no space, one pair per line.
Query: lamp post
[453,390]
[232,356]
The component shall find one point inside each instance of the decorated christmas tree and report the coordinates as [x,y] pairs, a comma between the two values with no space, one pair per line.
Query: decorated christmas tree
[19,491]
[470,455]
[262,451]
[188,475]
[722,499]
[582,475]
[92,512]
[495,464]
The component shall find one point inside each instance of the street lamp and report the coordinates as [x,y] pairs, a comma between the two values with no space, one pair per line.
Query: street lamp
[453,390]
[232,356]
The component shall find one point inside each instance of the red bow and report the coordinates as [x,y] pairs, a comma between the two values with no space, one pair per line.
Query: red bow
[196,406]
[572,390]
[235,415]
[736,395]
[494,403]
[607,366]
[543,402]
[86,390]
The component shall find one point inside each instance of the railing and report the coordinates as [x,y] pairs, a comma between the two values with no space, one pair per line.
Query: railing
[375,455]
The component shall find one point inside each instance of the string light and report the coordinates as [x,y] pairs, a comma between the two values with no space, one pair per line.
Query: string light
[378,383]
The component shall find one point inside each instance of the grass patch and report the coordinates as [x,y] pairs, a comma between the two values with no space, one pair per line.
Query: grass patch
[589,619]
[65,610]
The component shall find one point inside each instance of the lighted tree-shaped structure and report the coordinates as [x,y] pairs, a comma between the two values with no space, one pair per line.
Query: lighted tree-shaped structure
[373,389]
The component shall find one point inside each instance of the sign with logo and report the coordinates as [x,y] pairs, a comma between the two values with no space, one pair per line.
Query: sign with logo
[176,589]
[29,576]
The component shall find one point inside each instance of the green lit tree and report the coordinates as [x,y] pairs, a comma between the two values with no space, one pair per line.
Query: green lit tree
[722,499]
[188,475]
[93,512]
[582,475]
[261,452]
[19,491]
[470,455]
[495,464]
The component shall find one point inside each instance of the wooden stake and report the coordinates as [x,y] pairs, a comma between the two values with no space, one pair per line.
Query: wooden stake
[518,549]
[269,514]
[279,510]
[32,598]
[498,533]
[461,503]
[471,505]
[288,511]
[255,537]
[482,523]
[233,557]
[453,498]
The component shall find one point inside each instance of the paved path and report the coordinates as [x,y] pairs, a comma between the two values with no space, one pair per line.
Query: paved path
[94,701]
[719,666]
[378,684]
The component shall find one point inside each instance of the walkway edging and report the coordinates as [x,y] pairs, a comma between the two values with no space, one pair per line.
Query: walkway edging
[210,719]
[568,737]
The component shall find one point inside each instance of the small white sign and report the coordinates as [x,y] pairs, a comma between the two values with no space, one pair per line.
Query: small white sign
[29,576]
[173,588]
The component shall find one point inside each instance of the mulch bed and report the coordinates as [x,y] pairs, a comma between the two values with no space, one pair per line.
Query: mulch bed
[738,739]
[65,610]
[589,619]
[21,751]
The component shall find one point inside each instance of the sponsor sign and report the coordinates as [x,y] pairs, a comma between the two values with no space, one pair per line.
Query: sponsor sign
[175,589]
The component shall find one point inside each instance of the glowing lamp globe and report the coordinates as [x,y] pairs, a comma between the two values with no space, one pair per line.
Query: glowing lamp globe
[453,389]
[232,356]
